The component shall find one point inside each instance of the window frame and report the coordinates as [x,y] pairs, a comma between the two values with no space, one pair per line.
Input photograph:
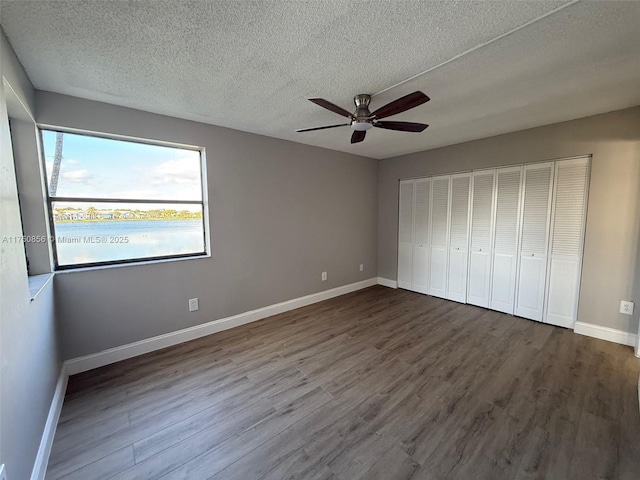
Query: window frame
[49,200]
[18,191]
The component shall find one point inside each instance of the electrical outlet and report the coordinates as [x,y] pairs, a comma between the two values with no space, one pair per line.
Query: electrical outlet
[193,304]
[324,276]
[626,307]
[362,267]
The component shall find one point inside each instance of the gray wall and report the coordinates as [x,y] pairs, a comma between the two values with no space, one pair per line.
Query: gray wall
[30,362]
[611,267]
[280,214]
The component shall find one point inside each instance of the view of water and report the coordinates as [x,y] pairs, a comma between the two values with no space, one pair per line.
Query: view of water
[104,241]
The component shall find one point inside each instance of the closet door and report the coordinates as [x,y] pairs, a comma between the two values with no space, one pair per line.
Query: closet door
[505,243]
[421,247]
[439,235]
[405,234]
[568,218]
[534,240]
[482,211]
[459,238]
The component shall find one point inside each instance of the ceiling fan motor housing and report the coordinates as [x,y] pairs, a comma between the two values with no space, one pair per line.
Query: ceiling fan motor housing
[362,120]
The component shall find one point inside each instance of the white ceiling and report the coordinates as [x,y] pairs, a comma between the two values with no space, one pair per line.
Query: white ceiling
[490,67]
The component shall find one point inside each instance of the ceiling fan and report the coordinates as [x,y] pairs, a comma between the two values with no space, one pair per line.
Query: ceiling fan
[362,119]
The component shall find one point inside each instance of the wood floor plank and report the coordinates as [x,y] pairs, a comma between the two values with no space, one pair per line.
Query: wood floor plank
[299,466]
[191,400]
[154,391]
[508,379]
[105,467]
[629,421]
[376,384]
[70,434]
[206,419]
[395,464]
[411,410]
[502,451]
[596,453]
[456,438]
[224,454]
[324,423]
[283,449]
[344,444]
[165,461]
[548,455]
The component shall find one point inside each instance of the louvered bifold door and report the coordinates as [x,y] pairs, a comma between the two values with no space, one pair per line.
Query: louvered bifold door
[405,234]
[482,209]
[568,218]
[421,247]
[504,261]
[534,240]
[439,236]
[459,237]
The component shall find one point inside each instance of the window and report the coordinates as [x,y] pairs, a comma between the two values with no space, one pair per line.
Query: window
[115,201]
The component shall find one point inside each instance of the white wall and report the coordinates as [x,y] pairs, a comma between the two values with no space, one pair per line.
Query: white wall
[611,266]
[30,360]
[280,214]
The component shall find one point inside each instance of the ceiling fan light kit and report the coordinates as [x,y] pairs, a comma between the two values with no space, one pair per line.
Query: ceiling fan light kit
[361,126]
[362,119]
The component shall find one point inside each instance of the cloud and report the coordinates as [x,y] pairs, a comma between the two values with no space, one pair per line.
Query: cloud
[76,176]
[173,179]
[72,162]
[183,171]
[177,178]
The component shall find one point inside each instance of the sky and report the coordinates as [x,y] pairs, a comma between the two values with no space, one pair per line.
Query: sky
[106,168]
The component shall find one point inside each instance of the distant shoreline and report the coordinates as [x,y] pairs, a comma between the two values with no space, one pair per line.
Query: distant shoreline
[104,220]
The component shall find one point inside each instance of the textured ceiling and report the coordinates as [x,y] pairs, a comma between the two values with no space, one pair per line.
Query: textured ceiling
[491,66]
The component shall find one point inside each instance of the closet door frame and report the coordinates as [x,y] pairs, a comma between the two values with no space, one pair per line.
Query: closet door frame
[478,301]
[458,296]
[576,293]
[537,314]
[513,279]
[426,245]
[445,259]
[409,245]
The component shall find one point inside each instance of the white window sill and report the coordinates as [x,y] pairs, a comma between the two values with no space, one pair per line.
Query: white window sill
[37,284]
[65,271]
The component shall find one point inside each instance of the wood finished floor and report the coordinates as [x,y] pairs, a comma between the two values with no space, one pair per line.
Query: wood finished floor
[378,384]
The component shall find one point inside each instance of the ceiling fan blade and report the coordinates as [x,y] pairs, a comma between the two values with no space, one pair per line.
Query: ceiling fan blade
[358,136]
[321,128]
[402,126]
[401,105]
[330,106]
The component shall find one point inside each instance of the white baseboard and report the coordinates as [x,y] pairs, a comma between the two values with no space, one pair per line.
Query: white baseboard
[605,333]
[112,355]
[385,282]
[42,458]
